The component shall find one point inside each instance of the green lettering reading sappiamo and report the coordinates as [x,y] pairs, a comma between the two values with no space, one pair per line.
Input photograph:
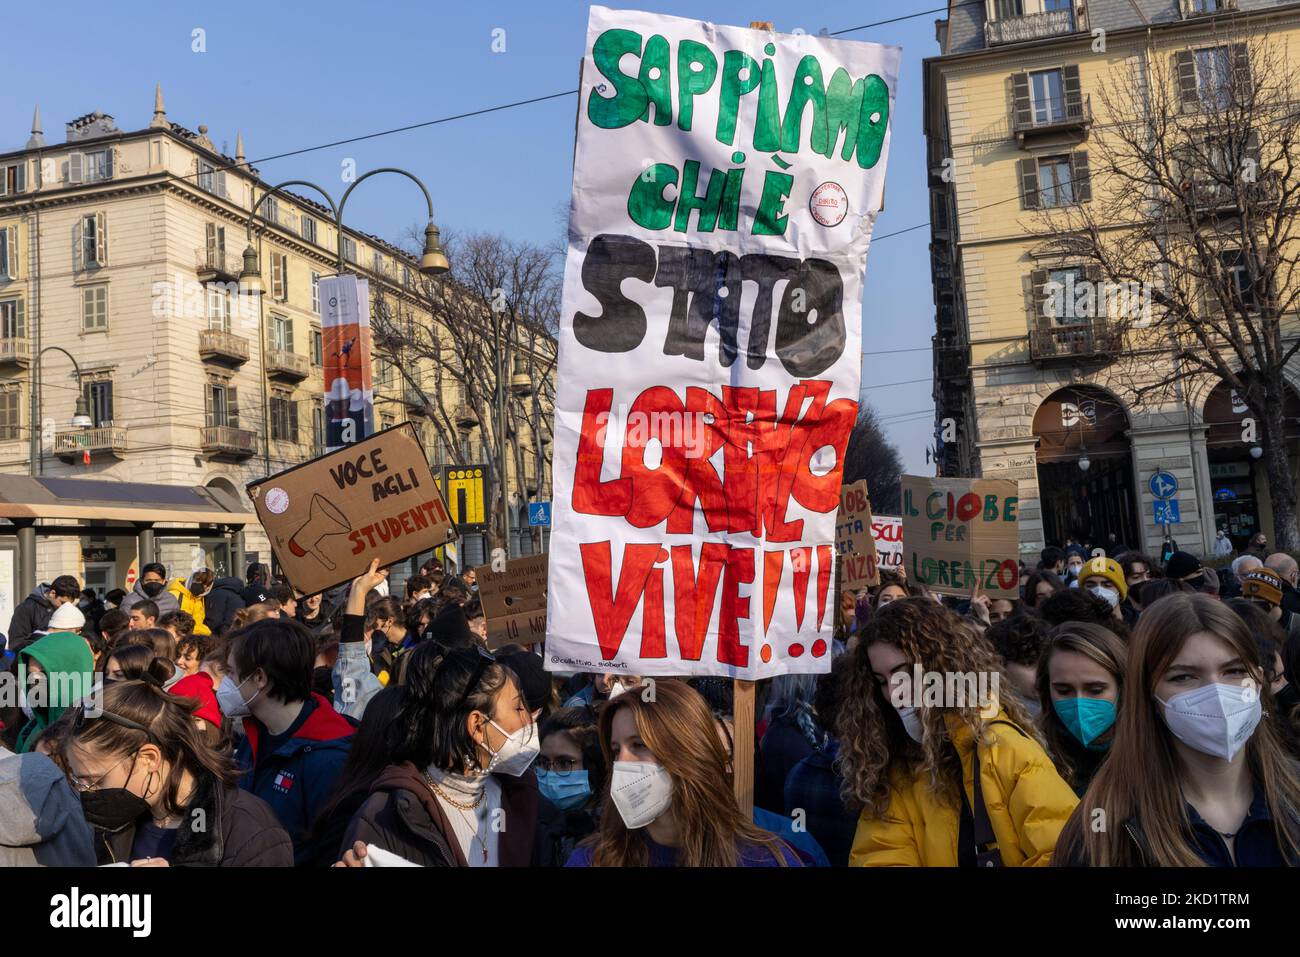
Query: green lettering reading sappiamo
[857,109]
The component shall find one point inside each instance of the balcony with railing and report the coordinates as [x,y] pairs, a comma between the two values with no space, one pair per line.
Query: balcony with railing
[217,265]
[228,442]
[71,444]
[1096,338]
[15,351]
[1075,114]
[1209,196]
[217,345]
[283,364]
[1030,26]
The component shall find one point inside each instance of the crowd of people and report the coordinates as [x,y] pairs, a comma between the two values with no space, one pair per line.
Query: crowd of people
[1116,711]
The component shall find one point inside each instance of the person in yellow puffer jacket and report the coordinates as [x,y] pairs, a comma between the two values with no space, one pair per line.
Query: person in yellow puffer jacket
[191,597]
[917,692]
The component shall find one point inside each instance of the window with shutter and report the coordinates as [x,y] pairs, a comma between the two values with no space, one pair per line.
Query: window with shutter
[1029,183]
[10,417]
[315,293]
[1022,106]
[76,167]
[13,325]
[1081,177]
[1185,74]
[232,407]
[1039,296]
[94,308]
[1241,69]
[1073,92]
[9,252]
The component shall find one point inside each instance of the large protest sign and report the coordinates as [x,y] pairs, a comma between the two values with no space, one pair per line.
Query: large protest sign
[327,518]
[962,534]
[887,531]
[514,601]
[726,182]
[345,340]
[854,544]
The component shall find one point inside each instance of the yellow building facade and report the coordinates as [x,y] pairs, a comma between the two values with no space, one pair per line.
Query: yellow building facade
[1013,110]
[124,248]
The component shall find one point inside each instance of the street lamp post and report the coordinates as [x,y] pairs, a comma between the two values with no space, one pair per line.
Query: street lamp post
[80,418]
[433,261]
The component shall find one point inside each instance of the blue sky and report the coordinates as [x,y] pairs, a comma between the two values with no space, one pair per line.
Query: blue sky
[292,74]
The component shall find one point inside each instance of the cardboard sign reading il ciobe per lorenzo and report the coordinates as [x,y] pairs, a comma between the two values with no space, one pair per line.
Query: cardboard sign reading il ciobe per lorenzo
[328,518]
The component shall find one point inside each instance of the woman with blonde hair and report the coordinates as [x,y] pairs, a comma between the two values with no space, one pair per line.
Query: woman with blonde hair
[669,799]
[1195,777]
[953,775]
[1080,677]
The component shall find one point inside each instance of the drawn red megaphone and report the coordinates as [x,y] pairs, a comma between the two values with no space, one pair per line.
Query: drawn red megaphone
[323,519]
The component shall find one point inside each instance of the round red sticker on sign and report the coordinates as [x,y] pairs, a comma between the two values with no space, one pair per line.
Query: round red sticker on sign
[829,204]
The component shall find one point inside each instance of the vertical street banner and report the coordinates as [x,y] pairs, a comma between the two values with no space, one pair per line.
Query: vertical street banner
[726,183]
[962,534]
[345,338]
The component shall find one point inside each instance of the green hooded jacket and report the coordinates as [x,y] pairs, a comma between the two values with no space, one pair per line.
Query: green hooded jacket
[69,667]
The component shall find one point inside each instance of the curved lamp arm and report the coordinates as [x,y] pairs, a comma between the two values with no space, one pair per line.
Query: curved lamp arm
[430,243]
[82,411]
[248,226]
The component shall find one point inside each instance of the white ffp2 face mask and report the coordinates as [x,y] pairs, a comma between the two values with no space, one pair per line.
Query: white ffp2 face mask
[517,753]
[1215,719]
[1109,595]
[641,791]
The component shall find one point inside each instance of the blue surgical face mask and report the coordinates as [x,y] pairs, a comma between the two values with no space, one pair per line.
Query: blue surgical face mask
[564,789]
[1087,719]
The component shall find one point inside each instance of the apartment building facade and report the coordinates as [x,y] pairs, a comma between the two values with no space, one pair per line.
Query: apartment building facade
[125,248]
[1012,112]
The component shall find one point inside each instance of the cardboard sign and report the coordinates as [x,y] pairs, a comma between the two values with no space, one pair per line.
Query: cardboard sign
[514,601]
[887,532]
[854,543]
[710,343]
[329,517]
[960,534]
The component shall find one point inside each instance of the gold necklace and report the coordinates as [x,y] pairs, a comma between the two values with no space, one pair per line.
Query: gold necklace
[472,822]
[473,805]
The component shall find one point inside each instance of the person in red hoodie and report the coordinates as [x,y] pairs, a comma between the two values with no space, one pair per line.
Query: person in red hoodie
[460,791]
[295,743]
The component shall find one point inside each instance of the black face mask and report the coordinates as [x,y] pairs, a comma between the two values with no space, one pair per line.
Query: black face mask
[152,589]
[112,809]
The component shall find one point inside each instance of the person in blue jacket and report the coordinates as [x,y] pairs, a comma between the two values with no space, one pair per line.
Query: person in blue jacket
[295,743]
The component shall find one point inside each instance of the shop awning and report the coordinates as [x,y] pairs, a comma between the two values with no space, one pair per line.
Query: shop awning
[91,501]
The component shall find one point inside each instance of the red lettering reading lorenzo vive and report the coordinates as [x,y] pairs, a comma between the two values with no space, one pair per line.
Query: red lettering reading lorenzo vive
[766,459]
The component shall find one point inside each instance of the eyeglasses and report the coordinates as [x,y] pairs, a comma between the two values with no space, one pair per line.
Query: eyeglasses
[84,786]
[560,765]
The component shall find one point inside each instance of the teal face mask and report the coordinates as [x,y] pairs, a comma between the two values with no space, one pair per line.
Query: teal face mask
[564,789]
[1087,719]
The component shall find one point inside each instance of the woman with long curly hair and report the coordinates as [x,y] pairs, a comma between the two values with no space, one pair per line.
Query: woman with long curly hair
[669,800]
[1195,776]
[936,756]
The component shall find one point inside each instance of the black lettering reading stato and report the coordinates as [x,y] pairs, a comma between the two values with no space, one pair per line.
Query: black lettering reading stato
[810,332]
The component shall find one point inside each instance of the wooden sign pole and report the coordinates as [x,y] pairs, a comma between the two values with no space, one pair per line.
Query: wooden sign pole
[742,763]
[743,717]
